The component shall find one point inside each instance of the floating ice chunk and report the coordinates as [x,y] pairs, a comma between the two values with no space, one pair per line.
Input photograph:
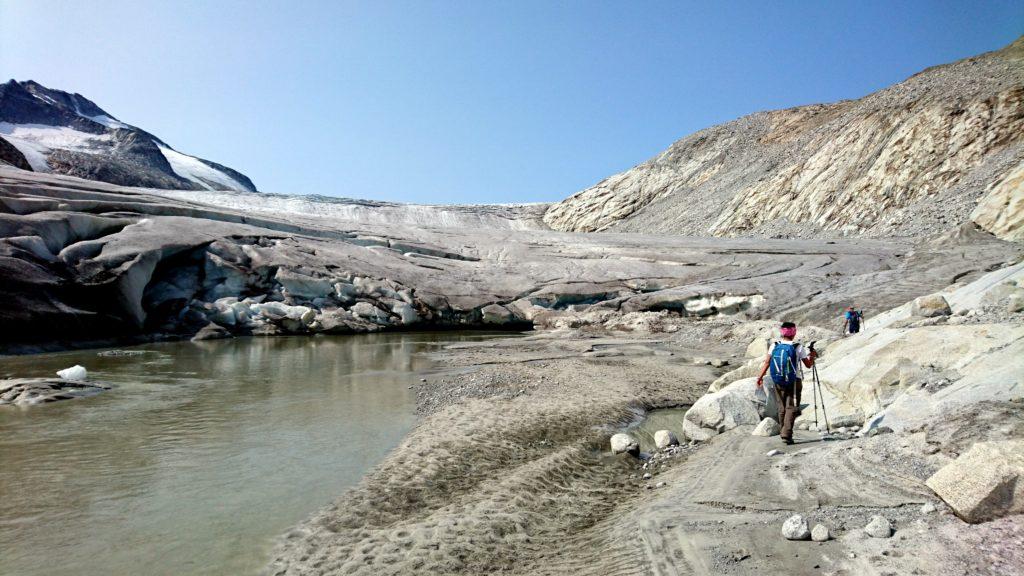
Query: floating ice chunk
[76,372]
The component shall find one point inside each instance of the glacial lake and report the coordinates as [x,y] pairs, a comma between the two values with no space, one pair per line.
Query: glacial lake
[201,454]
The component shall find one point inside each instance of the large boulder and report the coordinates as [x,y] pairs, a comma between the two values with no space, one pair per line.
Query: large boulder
[758,347]
[299,285]
[497,314]
[984,483]
[795,528]
[369,312]
[931,305]
[624,443]
[735,405]
[406,312]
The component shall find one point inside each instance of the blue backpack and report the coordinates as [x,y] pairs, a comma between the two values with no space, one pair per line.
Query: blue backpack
[784,364]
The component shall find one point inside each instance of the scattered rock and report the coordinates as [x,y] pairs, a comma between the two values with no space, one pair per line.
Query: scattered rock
[121,353]
[931,306]
[665,438]
[767,427]
[621,443]
[1015,304]
[984,483]
[211,332]
[496,314]
[928,508]
[740,555]
[879,430]
[773,453]
[795,528]
[820,533]
[30,391]
[878,527]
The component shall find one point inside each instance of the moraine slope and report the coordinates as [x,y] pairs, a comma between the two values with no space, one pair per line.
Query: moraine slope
[929,153]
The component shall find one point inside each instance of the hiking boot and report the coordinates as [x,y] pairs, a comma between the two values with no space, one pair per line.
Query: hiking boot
[788,441]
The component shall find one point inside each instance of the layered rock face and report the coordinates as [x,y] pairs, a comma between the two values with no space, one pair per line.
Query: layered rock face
[85,262]
[55,131]
[912,159]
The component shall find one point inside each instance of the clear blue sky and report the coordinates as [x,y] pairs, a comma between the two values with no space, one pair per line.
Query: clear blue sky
[469,101]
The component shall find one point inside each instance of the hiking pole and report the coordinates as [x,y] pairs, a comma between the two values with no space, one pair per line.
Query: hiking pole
[817,392]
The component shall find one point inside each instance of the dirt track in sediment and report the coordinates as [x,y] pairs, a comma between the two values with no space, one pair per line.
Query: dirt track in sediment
[509,472]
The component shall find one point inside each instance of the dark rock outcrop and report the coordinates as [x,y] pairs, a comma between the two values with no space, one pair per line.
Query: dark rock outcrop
[12,156]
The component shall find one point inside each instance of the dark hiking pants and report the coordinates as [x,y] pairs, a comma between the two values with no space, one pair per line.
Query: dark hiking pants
[788,401]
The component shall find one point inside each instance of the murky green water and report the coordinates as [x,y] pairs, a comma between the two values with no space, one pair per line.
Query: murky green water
[201,454]
[662,419]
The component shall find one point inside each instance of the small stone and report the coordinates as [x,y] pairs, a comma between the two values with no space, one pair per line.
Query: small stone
[928,508]
[795,528]
[820,533]
[647,476]
[767,427]
[773,453]
[665,438]
[878,527]
[660,485]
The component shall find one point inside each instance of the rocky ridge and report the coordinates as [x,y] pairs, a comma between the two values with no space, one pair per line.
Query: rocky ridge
[48,130]
[909,160]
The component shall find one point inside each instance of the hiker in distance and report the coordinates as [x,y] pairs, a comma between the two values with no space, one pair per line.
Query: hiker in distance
[851,321]
[784,361]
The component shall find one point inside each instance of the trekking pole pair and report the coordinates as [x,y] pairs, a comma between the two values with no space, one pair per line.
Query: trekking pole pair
[816,387]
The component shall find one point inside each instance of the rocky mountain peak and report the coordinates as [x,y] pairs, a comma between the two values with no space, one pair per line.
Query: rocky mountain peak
[48,130]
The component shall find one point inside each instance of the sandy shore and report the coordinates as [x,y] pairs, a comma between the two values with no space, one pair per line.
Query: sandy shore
[509,471]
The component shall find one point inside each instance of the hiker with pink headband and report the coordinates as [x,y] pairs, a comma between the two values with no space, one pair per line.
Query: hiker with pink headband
[784,361]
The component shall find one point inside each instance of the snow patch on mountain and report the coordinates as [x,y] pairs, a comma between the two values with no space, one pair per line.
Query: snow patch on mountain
[192,168]
[35,141]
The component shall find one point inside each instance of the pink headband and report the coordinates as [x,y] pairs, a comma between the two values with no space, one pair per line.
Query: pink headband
[788,332]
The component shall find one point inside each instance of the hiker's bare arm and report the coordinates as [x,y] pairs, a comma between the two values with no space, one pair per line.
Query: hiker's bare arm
[809,361]
[764,370]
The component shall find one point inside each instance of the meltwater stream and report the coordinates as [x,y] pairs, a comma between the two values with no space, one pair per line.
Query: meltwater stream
[201,453]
